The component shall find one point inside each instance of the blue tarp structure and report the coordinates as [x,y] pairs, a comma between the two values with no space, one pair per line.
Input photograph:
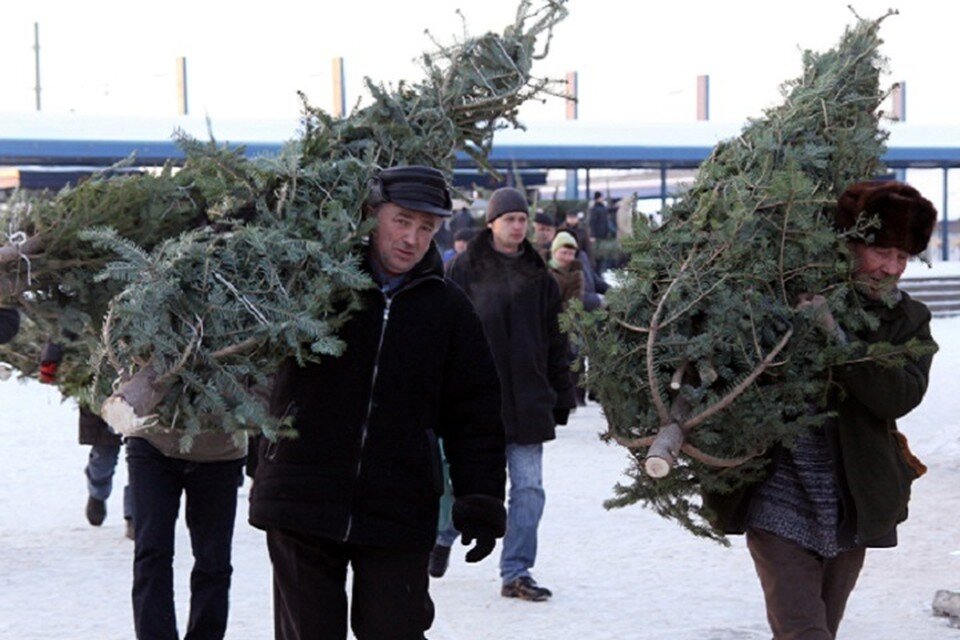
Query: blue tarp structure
[51,140]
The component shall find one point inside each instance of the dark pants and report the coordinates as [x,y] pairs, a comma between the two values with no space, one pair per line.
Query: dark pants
[390,599]
[156,482]
[805,593]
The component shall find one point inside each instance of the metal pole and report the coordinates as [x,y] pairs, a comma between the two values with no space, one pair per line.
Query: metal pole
[571,95]
[944,232]
[36,60]
[573,189]
[703,97]
[663,186]
[339,89]
[182,107]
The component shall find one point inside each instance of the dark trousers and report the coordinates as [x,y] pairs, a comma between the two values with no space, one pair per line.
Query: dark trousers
[390,599]
[805,593]
[156,482]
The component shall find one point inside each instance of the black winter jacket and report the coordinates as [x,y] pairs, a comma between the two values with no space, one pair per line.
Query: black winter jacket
[518,302]
[9,324]
[94,431]
[366,468]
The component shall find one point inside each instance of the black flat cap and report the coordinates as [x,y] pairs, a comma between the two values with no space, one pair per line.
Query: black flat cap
[545,218]
[413,187]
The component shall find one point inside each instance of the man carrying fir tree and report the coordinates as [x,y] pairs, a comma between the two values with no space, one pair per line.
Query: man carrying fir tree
[845,487]
[361,483]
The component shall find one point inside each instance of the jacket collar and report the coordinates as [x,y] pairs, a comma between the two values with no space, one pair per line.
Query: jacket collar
[430,266]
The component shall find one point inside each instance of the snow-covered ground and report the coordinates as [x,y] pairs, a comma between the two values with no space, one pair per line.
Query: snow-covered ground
[615,574]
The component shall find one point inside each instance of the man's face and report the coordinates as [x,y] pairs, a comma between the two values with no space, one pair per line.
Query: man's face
[543,233]
[509,231]
[878,269]
[402,237]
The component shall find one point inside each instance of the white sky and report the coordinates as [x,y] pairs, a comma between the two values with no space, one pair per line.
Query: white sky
[637,60]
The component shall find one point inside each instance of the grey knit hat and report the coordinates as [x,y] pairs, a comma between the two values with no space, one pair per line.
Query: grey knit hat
[506,200]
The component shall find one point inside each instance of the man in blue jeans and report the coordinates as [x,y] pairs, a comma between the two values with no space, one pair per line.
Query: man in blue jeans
[518,302]
[104,449]
[101,465]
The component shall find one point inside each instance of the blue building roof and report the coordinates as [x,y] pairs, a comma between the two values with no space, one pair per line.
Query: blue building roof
[48,140]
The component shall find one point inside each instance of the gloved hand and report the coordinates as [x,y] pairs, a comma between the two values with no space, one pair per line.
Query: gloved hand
[49,362]
[485,544]
[481,518]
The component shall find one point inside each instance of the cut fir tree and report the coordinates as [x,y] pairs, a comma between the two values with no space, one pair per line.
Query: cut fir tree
[194,328]
[702,360]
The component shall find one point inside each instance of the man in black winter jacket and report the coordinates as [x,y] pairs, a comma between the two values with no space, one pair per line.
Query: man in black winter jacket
[518,302]
[361,483]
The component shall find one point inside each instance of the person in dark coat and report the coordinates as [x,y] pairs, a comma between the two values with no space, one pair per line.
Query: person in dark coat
[460,241]
[461,220]
[104,448]
[572,223]
[844,488]
[565,268]
[604,247]
[594,286]
[518,302]
[598,219]
[568,272]
[9,324]
[101,465]
[361,484]
[544,231]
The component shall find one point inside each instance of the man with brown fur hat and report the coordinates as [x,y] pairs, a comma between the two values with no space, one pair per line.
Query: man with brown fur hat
[844,487]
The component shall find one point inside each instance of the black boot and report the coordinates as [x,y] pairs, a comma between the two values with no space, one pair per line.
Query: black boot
[525,588]
[439,560]
[96,511]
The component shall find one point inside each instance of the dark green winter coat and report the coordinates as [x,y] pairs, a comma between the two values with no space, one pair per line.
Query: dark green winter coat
[874,467]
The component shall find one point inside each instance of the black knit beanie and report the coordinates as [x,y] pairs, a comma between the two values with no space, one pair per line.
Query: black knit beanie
[506,200]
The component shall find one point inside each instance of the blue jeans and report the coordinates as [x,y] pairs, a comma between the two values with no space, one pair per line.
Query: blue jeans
[525,506]
[100,467]
[157,482]
[447,534]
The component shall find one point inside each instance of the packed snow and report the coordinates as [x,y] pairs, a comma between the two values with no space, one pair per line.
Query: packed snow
[617,574]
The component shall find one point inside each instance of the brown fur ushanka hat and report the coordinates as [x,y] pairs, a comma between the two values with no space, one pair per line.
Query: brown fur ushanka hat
[906,218]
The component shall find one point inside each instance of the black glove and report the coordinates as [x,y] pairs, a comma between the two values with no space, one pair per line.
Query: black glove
[560,416]
[481,518]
